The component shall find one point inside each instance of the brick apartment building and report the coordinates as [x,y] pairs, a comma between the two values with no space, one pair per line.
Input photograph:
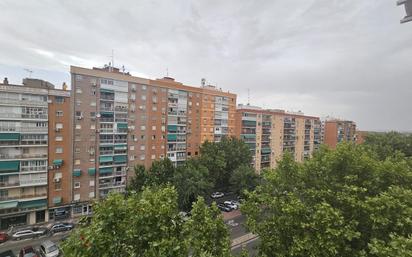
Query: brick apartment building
[270,133]
[121,121]
[35,146]
[336,131]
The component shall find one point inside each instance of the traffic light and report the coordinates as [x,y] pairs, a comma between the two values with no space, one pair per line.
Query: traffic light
[408,8]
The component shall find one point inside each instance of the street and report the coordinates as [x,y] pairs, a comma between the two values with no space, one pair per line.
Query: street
[15,246]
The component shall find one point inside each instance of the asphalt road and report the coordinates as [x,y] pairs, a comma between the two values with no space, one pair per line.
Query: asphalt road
[251,246]
[15,246]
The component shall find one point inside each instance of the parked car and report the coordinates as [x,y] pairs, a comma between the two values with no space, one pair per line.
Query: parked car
[49,249]
[28,251]
[3,237]
[8,253]
[230,205]
[59,227]
[216,195]
[223,207]
[29,233]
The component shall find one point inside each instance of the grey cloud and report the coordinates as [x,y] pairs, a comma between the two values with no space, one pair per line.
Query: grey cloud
[346,58]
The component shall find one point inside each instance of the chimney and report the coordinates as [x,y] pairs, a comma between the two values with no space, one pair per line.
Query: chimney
[5,81]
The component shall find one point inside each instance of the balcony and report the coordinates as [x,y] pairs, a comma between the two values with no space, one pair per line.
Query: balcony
[24,129]
[10,101]
[23,156]
[17,197]
[33,142]
[113,184]
[120,141]
[33,168]
[113,174]
[19,116]
[9,184]
[34,182]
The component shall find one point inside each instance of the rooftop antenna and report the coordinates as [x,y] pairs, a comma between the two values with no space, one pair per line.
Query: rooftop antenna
[29,71]
[111,64]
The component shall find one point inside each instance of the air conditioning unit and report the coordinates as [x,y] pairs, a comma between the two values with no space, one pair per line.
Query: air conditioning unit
[51,167]
[56,180]
[57,129]
[79,117]
[91,152]
[98,115]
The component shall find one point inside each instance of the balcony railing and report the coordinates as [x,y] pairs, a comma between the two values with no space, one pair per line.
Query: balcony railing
[33,142]
[113,174]
[115,184]
[15,197]
[9,184]
[33,182]
[23,102]
[23,116]
[33,168]
[23,129]
[23,156]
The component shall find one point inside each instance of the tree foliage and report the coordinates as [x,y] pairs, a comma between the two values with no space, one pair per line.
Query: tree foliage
[149,224]
[339,203]
[388,144]
[223,158]
[243,178]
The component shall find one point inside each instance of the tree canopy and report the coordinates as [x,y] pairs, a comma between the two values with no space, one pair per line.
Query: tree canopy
[388,144]
[149,224]
[346,202]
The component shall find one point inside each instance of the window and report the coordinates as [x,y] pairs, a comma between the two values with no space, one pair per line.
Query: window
[153,137]
[78,102]
[142,127]
[77,150]
[77,198]
[59,99]
[92,126]
[91,195]
[131,157]
[59,113]
[144,87]
[142,157]
[57,186]
[142,137]
[78,126]
[76,184]
[77,209]
[59,149]
[154,108]
[78,90]
[143,97]
[131,148]
[142,147]
[59,138]
[153,156]
[92,114]
[92,103]
[59,126]
[153,127]
[91,183]
[77,162]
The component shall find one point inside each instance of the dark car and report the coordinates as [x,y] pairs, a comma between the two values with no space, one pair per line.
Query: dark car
[223,207]
[3,237]
[59,227]
[28,251]
[8,253]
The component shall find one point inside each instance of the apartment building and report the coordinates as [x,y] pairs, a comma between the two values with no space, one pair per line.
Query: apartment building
[121,121]
[28,134]
[270,133]
[336,131]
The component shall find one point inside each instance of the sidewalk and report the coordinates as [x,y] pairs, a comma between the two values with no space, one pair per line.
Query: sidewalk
[231,215]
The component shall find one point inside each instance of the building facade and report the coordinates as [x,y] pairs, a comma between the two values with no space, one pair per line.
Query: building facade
[270,133]
[121,121]
[336,131]
[25,159]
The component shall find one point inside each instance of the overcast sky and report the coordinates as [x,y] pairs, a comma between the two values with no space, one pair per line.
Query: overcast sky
[343,58]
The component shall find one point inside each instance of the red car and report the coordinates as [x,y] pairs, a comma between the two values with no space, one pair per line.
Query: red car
[3,237]
[28,251]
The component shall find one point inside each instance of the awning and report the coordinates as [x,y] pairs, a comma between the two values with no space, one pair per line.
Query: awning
[8,205]
[57,200]
[120,146]
[266,150]
[172,127]
[9,136]
[106,114]
[57,162]
[9,166]
[122,125]
[171,137]
[103,159]
[33,204]
[103,90]
[77,172]
[120,158]
[91,171]
[105,171]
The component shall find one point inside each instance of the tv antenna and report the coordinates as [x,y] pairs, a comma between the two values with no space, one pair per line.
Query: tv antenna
[29,71]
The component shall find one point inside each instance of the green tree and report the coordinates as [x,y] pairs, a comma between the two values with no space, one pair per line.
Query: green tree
[223,158]
[207,231]
[388,144]
[148,224]
[243,178]
[139,180]
[339,203]
[191,180]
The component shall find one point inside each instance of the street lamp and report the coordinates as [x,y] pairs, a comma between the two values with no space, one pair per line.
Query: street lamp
[408,9]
